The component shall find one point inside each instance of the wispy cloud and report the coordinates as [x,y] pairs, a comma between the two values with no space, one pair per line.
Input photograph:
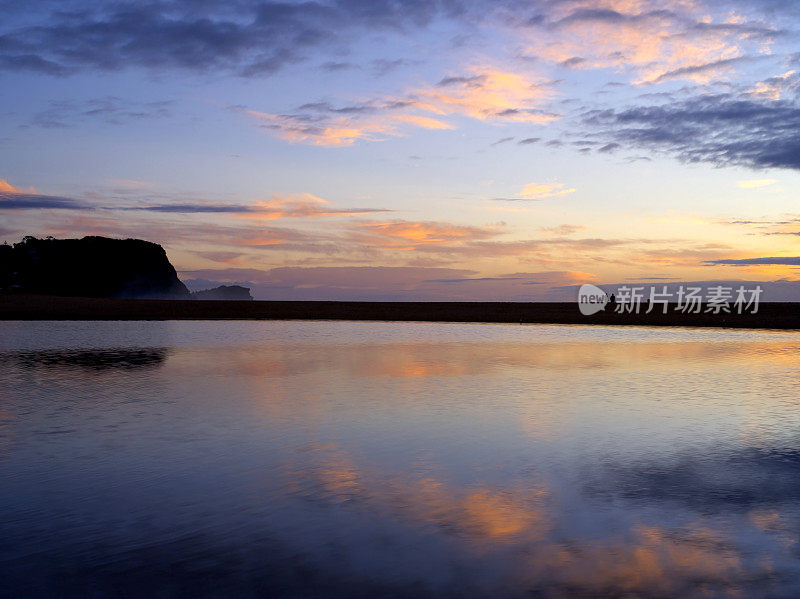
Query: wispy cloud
[110,109]
[564,229]
[12,198]
[777,260]
[655,41]
[722,129]
[304,205]
[756,183]
[320,131]
[485,94]
[775,88]
[539,191]
[411,235]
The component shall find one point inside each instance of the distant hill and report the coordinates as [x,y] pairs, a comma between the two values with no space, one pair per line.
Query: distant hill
[89,267]
[223,292]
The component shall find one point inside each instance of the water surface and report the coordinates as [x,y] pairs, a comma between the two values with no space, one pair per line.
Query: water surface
[249,459]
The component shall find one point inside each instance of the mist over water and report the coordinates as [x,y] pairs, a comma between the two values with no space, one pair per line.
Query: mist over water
[207,459]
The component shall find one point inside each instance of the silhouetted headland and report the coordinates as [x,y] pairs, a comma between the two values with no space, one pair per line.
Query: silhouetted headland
[96,267]
[29,307]
[224,292]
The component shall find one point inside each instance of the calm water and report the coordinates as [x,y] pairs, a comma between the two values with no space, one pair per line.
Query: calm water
[246,459]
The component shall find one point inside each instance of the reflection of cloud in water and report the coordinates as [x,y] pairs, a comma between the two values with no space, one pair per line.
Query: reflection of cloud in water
[100,359]
[521,527]
[473,512]
[650,561]
[707,480]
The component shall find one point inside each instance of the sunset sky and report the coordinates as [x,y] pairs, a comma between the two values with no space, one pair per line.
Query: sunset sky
[410,149]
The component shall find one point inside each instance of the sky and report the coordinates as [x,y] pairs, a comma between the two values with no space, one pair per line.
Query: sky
[416,150]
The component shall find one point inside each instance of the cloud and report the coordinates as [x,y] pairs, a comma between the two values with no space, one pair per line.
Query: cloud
[539,191]
[193,208]
[564,229]
[721,129]
[319,131]
[653,41]
[12,198]
[486,94]
[248,38]
[7,187]
[423,121]
[410,235]
[303,205]
[383,66]
[222,257]
[703,72]
[780,260]
[756,183]
[333,66]
[33,63]
[774,88]
[111,110]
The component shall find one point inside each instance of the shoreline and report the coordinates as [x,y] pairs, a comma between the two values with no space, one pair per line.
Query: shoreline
[30,307]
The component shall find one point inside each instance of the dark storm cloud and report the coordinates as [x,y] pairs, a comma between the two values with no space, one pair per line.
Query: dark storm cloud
[722,129]
[249,38]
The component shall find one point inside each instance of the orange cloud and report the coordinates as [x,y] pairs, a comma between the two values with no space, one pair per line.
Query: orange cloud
[488,93]
[409,235]
[7,187]
[304,205]
[484,93]
[424,122]
[336,131]
[775,87]
[646,37]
